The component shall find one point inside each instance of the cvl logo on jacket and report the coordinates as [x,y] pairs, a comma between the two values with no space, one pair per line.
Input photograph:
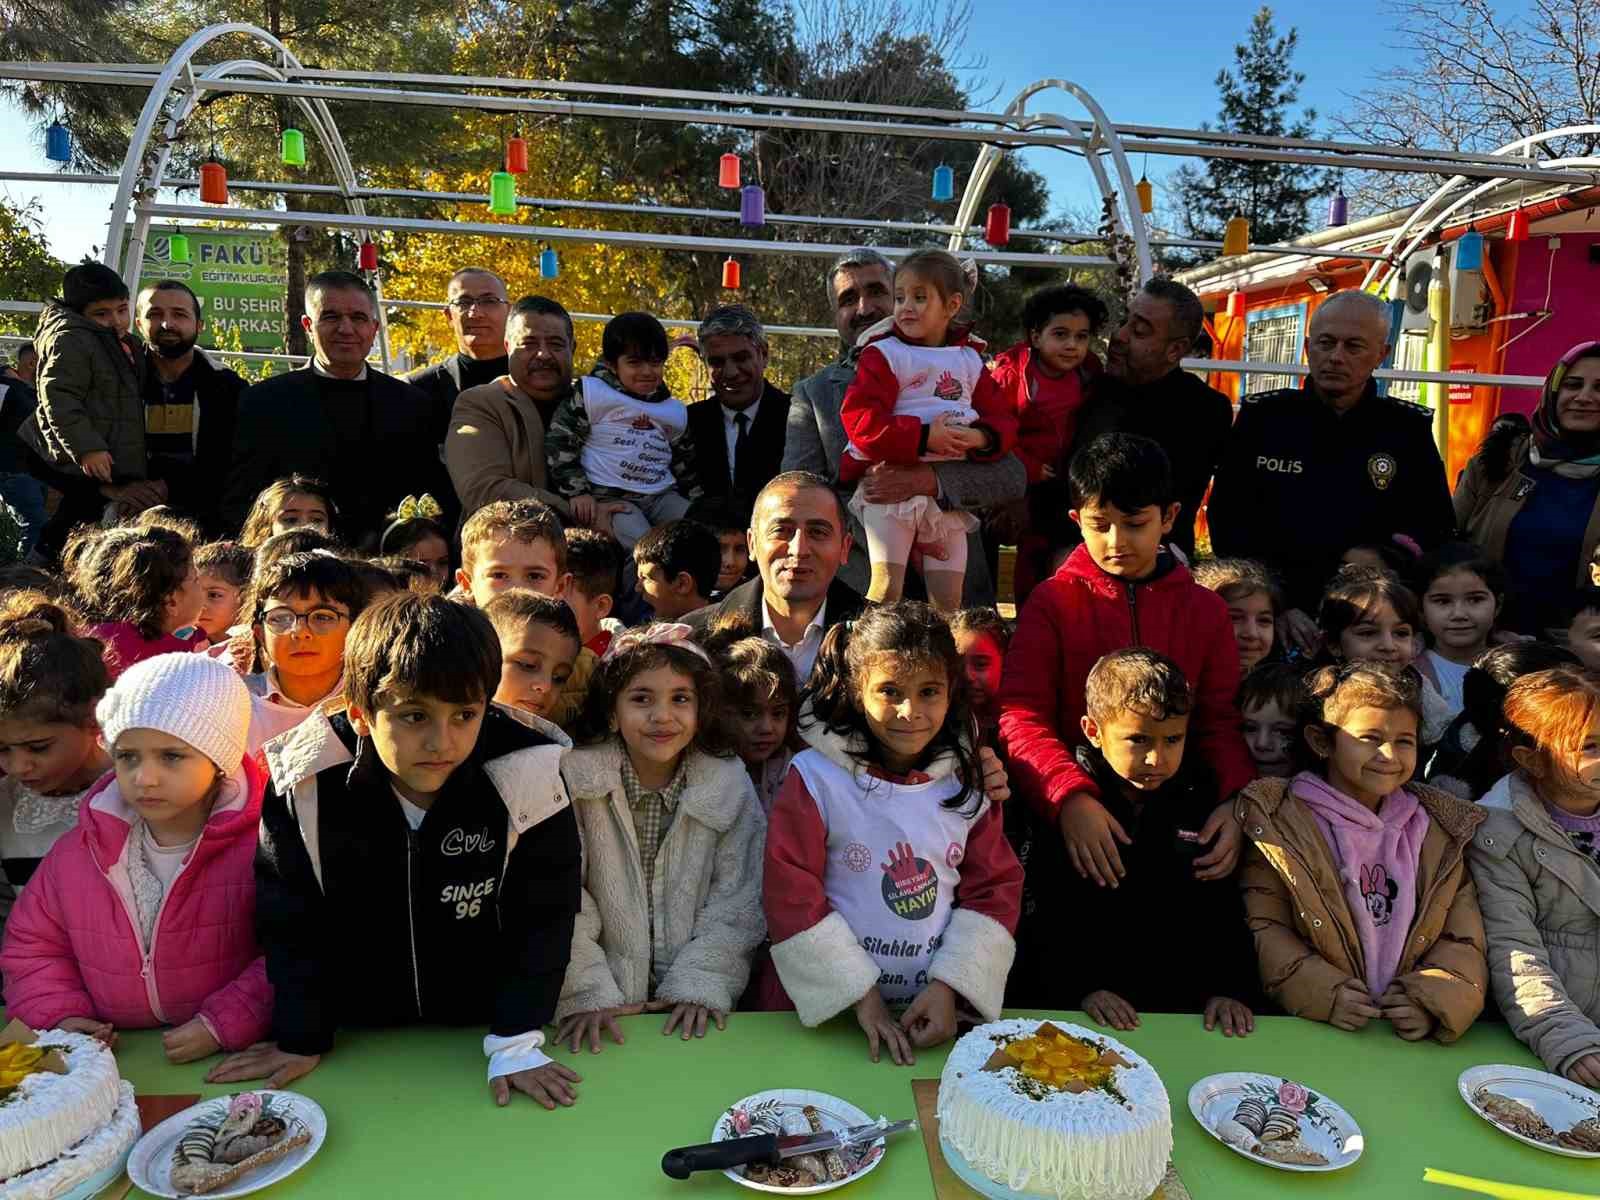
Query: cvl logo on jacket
[459,841]
[1280,466]
[910,888]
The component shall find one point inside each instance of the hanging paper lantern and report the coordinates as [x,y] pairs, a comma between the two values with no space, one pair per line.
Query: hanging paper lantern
[517,155]
[730,274]
[1338,209]
[728,171]
[1236,305]
[752,206]
[503,193]
[294,148]
[997,226]
[944,183]
[177,248]
[1236,238]
[549,264]
[213,183]
[367,256]
[1147,196]
[1517,230]
[58,143]
[1469,251]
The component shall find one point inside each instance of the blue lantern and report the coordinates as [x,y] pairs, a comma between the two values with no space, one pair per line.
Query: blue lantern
[549,264]
[1469,251]
[58,143]
[944,183]
[752,206]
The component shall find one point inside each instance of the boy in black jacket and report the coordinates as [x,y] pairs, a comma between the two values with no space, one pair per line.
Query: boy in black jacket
[419,857]
[1162,940]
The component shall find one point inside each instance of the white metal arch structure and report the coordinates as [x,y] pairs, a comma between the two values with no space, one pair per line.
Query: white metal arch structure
[1103,138]
[1429,221]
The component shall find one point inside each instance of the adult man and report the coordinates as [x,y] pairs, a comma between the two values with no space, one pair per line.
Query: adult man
[190,406]
[26,365]
[860,290]
[738,434]
[1310,472]
[799,541]
[495,445]
[1145,391]
[18,488]
[369,435]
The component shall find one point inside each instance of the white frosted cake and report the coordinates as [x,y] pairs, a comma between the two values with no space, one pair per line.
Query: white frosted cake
[1052,1109]
[60,1130]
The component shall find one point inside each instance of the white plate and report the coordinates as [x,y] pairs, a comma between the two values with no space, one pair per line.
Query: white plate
[1324,1126]
[150,1164]
[766,1109]
[1559,1101]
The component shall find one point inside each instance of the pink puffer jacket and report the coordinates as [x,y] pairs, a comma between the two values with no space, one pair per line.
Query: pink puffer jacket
[73,946]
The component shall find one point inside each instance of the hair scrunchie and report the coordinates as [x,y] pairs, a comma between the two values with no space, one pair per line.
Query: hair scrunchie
[661,633]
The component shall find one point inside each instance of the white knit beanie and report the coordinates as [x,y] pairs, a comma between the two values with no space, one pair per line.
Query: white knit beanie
[190,696]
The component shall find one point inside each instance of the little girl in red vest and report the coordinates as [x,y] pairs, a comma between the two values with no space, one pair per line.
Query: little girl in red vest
[921,394]
[889,882]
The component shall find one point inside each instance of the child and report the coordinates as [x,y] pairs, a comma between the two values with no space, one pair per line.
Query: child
[1582,627]
[224,569]
[982,635]
[921,394]
[143,591]
[305,605]
[1461,597]
[144,914]
[413,532]
[1270,701]
[1120,588]
[1398,556]
[538,645]
[594,563]
[1534,862]
[419,858]
[678,564]
[51,678]
[890,780]
[1193,953]
[763,705]
[294,502]
[1254,604]
[621,439]
[672,837]
[1355,883]
[512,544]
[734,539]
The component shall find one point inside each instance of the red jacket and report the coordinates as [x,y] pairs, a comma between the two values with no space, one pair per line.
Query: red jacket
[1046,408]
[1079,615]
[867,413]
[72,946]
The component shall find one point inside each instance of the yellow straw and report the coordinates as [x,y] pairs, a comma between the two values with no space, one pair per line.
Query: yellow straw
[1506,1191]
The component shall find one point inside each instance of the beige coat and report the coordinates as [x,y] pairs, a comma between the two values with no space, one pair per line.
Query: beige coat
[1541,910]
[1306,940]
[494,448]
[707,888]
[1485,510]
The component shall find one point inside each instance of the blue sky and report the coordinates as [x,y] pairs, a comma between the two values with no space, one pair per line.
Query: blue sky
[1145,63]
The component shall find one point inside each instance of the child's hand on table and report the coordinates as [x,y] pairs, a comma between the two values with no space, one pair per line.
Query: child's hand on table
[872,1014]
[574,1028]
[1108,1008]
[101,1031]
[931,1019]
[1411,1021]
[189,1041]
[1585,1071]
[263,1061]
[1353,1006]
[548,1085]
[1219,861]
[1091,835]
[1236,1019]
[693,1018]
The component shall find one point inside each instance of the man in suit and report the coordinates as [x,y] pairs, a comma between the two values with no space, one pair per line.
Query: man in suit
[861,293]
[738,433]
[372,437]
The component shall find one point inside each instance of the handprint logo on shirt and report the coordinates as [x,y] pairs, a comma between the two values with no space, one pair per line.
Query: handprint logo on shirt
[910,887]
[948,388]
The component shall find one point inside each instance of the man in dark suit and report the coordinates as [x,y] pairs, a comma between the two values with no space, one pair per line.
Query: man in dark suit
[738,433]
[798,539]
[370,436]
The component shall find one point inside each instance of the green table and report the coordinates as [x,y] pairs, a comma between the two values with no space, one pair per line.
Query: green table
[409,1113]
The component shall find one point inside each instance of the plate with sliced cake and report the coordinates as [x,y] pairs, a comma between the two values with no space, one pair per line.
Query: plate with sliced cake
[229,1145]
[789,1111]
[1535,1107]
[1276,1121]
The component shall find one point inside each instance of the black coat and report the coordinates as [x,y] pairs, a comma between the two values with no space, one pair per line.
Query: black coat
[1301,484]
[197,487]
[744,601]
[763,449]
[437,925]
[372,458]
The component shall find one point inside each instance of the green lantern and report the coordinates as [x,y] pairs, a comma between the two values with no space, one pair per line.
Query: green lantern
[294,148]
[503,194]
[178,248]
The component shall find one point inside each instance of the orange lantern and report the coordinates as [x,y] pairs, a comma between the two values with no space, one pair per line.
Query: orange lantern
[728,171]
[1235,305]
[517,156]
[213,183]
[730,274]
[1517,229]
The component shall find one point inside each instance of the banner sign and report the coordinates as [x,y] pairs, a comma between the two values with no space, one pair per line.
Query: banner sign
[240,277]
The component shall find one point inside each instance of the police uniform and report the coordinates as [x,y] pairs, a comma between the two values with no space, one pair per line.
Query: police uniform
[1300,484]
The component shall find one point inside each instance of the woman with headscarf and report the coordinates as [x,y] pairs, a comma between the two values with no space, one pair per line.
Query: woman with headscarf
[1531,497]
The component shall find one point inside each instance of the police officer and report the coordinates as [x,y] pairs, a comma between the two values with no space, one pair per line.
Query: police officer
[1310,472]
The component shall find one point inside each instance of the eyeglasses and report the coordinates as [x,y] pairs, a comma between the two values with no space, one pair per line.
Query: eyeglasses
[320,621]
[466,303]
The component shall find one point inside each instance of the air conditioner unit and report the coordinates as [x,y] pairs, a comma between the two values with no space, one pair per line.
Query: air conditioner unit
[1470,303]
[1416,276]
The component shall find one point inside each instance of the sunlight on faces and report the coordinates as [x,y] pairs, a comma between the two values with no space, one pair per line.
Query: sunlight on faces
[167,781]
[1583,638]
[432,552]
[300,510]
[588,609]
[1253,628]
[220,608]
[799,542]
[641,376]
[535,664]
[1269,733]
[1570,780]
[168,321]
[342,323]
[497,566]
[1144,347]
[758,729]
[921,310]
[1459,610]
[481,329]
[735,558]
[656,714]
[981,663]
[1142,750]
[420,740]
[1124,544]
[666,596]
[1578,398]
[110,314]
[541,354]
[1370,752]
[1346,343]
[862,296]
[50,756]
[305,651]
[1063,344]
[182,608]
[738,368]
[904,701]
[1378,635]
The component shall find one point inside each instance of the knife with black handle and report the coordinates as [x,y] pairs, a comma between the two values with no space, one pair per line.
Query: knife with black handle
[769,1148]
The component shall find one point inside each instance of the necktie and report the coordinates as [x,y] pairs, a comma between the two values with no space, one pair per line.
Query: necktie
[740,441]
